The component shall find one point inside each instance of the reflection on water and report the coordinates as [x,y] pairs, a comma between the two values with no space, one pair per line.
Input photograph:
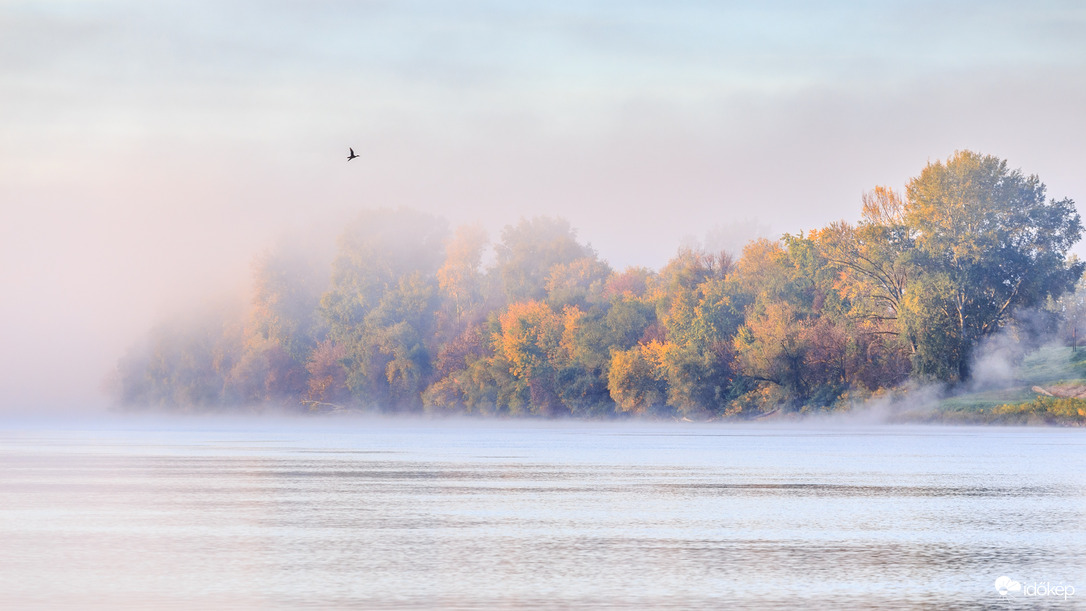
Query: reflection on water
[493,515]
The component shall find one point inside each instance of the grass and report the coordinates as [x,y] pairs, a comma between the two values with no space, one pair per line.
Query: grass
[1019,403]
[1051,364]
[987,399]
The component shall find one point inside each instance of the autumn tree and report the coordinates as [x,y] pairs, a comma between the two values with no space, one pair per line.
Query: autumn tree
[529,340]
[690,363]
[287,284]
[584,358]
[528,251]
[772,346]
[637,377]
[184,363]
[807,330]
[327,379]
[283,325]
[460,277]
[399,341]
[875,258]
[580,283]
[408,317]
[381,303]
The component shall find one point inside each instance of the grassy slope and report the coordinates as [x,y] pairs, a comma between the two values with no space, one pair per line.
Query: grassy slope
[1017,403]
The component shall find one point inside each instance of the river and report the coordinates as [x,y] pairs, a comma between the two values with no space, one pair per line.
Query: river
[480,514]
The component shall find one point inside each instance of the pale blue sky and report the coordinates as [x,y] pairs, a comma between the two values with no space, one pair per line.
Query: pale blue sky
[149,149]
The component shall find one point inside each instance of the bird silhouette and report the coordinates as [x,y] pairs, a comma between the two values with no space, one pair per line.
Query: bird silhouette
[352,155]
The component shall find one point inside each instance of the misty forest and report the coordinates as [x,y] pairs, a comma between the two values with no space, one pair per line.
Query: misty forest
[415,316]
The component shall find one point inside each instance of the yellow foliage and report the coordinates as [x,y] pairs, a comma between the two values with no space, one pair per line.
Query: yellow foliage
[530,337]
[636,379]
[1065,410]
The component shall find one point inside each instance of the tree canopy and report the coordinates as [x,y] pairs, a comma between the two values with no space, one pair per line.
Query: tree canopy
[409,317]
[986,243]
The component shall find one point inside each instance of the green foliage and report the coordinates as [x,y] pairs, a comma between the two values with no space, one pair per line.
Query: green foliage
[987,243]
[183,365]
[928,318]
[381,303]
[529,250]
[577,283]
[626,321]
[288,282]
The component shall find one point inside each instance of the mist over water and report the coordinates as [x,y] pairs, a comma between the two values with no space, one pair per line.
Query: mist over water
[177,217]
[496,514]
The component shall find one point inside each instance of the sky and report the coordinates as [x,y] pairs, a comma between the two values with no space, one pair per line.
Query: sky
[149,150]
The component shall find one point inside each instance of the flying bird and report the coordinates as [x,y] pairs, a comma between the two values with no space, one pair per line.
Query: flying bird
[352,155]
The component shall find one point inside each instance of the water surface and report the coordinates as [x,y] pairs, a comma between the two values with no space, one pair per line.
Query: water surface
[484,515]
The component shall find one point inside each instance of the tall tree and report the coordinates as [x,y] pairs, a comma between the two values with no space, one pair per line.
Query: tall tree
[381,302]
[990,243]
[528,251]
[874,257]
[530,341]
[460,276]
[578,283]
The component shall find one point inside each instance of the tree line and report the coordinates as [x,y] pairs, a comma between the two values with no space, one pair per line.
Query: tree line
[413,316]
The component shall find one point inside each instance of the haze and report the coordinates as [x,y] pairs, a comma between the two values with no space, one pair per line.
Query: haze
[149,151]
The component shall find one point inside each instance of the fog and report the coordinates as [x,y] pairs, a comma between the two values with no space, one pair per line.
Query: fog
[148,154]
